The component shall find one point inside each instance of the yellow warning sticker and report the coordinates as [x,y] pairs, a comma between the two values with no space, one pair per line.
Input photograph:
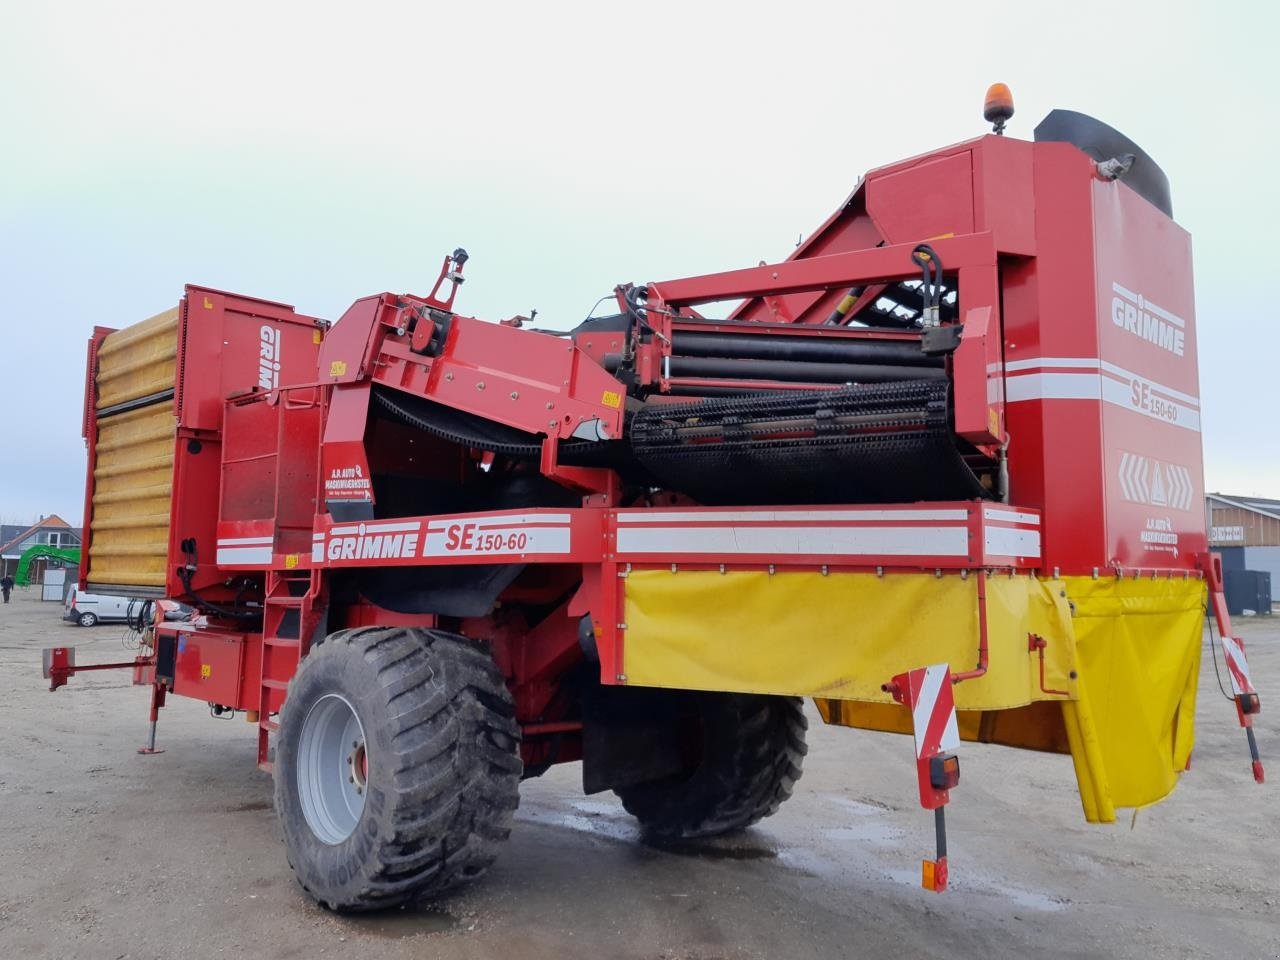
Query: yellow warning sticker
[611,399]
[317,336]
[338,368]
[290,560]
[208,304]
[993,422]
[206,671]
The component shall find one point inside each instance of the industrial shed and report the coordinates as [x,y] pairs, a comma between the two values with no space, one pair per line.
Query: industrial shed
[1246,531]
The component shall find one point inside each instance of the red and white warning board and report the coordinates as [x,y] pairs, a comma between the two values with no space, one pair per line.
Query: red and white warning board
[926,692]
[1237,666]
[933,710]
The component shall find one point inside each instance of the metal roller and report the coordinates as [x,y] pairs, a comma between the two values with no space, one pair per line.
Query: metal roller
[749,346]
[799,371]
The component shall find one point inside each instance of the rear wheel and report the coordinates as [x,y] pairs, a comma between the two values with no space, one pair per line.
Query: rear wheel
[87,619]
[746,752]
[396,767]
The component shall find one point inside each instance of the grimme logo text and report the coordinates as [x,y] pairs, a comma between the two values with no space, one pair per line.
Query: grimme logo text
[1137,315]
[268,357]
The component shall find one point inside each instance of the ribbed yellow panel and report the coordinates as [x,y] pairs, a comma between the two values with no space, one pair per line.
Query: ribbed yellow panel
[132,487]
[138,361]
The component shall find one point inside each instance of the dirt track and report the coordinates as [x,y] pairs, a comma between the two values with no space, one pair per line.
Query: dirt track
[106,854]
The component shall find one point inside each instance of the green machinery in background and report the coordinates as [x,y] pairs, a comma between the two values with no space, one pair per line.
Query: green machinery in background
[69,556]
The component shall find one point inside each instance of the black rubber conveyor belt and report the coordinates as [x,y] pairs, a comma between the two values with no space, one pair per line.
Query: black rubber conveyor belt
[865,443]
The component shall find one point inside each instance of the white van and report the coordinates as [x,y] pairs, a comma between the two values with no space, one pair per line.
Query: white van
[87,609]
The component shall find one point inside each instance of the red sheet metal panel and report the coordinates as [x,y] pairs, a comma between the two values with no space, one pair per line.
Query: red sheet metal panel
[926,200]
[1152,466]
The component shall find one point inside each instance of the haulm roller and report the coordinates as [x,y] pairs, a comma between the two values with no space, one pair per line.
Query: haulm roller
[939,470]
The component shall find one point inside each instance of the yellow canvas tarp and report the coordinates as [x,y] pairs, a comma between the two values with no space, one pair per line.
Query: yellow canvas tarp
[1117,693]
[1139,644]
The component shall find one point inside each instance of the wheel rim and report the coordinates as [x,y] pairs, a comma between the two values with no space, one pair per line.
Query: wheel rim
[333,769]
[87,619]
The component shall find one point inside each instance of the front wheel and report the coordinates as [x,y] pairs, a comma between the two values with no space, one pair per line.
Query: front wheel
[396,767]
[87,619]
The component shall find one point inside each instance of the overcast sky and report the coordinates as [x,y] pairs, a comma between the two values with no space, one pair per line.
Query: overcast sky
[314,154]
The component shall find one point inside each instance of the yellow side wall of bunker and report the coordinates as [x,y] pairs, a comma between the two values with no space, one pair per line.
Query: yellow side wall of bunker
[1124,652]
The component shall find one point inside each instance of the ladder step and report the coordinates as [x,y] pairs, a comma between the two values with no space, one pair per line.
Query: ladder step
[285,601]
[275,685]
[269,725]
[282,642]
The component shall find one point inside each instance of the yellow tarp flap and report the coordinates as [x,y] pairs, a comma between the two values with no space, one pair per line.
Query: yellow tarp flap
[840,636]
[1139,647]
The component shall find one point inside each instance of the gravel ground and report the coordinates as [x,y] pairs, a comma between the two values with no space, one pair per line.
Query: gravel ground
[107,854]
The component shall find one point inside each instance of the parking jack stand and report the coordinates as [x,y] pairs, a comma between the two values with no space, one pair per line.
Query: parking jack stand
[157,701]
[927,693]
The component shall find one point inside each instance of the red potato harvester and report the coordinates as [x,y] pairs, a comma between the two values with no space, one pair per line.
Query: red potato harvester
[939,470]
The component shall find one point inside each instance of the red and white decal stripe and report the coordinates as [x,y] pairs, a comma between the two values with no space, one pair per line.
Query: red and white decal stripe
[237,551]
[1088,378]
[481,535]
[933,710]
[498,536]
[1010,533]
[871,533]
[877,533]
[1237,666]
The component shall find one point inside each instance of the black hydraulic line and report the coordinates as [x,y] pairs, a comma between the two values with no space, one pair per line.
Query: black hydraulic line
[845,305]
[801,371]
[900,295]
[926,258]
[829,349]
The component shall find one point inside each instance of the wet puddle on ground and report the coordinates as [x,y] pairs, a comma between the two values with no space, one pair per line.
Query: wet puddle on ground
[608,820]
[856,848]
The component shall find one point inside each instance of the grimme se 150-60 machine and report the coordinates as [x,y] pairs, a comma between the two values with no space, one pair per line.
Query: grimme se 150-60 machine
[939,470]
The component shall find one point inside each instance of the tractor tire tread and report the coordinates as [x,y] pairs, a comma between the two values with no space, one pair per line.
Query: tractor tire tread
[754,770]
[452,781]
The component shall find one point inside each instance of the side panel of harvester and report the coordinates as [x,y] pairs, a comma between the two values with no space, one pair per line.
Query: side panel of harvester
[1148,381]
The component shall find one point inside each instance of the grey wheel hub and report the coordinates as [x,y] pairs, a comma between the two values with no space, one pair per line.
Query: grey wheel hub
[333,769]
